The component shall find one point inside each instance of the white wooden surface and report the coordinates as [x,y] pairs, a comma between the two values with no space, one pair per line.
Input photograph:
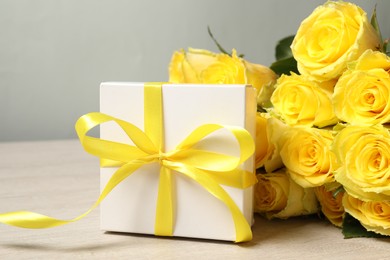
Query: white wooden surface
[58,178]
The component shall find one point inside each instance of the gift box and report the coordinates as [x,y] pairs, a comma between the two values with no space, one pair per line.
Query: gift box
[131,205]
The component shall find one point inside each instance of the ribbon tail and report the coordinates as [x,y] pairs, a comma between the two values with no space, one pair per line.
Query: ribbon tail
[164,209]
[27,219]
[32,220]
[243,229]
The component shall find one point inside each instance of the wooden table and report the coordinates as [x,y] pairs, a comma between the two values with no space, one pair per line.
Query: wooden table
[59,179]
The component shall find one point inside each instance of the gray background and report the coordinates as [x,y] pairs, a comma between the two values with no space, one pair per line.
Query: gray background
[55,53]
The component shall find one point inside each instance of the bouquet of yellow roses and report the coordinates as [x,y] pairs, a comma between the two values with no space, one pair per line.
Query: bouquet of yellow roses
[321,141]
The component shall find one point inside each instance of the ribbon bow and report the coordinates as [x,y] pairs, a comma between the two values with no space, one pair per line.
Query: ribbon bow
[209,169]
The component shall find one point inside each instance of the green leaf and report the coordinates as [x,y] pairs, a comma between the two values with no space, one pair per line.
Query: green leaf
[375,24]
[283,50]
[285,62]
[352,228]
[386,47]
[337,191]
[285,66]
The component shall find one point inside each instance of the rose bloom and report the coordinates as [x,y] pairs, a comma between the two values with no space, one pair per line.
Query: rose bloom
[364,157]
[373,215]
[306,154]
[300,101]
[268,136]
[334,34]
[262,144]
[331,206]
[349,135]
[275,132]
[362,94]
[277,196]
[205,67]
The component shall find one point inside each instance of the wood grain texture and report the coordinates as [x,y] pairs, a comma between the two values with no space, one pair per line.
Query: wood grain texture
[59,179]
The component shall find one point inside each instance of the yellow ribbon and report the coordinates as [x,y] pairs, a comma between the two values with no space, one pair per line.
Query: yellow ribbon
[209,169]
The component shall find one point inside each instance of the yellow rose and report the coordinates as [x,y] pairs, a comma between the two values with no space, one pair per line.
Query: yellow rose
[271,192]
[275,132]
[262,145]
[269,131]
[261,78]
[364,157]
[362,94]
[349,135]
[277,196]
[306,154]
[333,35]
[300,101]
[331,206]
[185,67]
[225,70]
[373,215]
[202,66]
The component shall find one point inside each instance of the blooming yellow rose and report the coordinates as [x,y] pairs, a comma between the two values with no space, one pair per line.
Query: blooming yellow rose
[225,70]
[269,131]
[275,132]
[334,34]
[306,154]
[261,78]
[185,67]
[362,94]
[202,66]
[277,196]
[373,215]
[349,135]
[331,206]
[262,144]
[300,101]
[271,192]
[364,157]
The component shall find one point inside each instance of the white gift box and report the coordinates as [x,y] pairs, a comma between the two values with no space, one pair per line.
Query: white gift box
[131,206]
